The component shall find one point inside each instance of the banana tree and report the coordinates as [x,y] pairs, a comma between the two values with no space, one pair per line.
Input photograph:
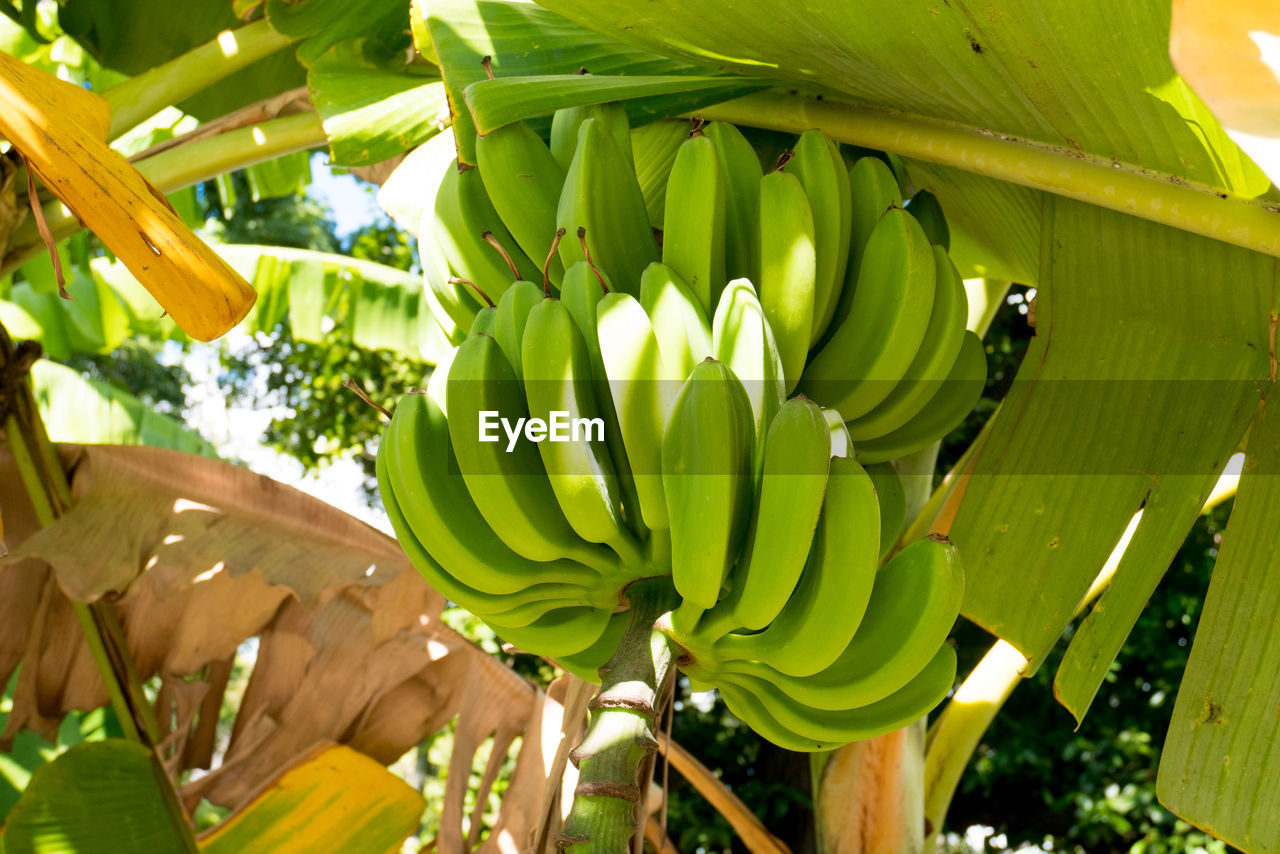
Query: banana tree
[1067,154]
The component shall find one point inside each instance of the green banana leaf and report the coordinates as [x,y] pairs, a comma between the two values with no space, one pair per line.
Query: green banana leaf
[1223,748]
[102,796]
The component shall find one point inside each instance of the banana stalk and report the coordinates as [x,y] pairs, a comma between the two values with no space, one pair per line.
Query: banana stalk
[622,734]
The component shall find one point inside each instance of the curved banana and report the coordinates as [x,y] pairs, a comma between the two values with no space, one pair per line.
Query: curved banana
[874,190]
[804,725]
[684,334]
[932,364]
[797,455]
[743,340]
[566,123]
[509,488]
[557,379]
[822,173]
[510,318]
[822,615]
[587,663]
[943,413]
[869,352]
[892,498]
[523,181]
[562,632]
[642,388]
[788,269]
[707,477]
[420,478]
[742,173]
[463,214]
[914,603]
[925,208]
[748,709]
[655,146]
[694,219]
[600,195]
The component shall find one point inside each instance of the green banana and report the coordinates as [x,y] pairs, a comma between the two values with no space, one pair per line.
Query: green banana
[914,603]
[581,291]
[655,146]
[788,269]
[822,173]
[587,663]
[448,300]
[952,403]
[841,444]
[642,388]
[892,498]
[510,318]
[557,378]
[600,195]
[869,352]
[743,705]
[566,123]
[874,190]
[510,488]
[523,181]
[802,725]
[463,215]
[743,340]
[742,175]
[694,219]
[797,455]
[822,615]
[421,480]
[559,633]
[684,335]
[925,208]
[932,364]
[707,477]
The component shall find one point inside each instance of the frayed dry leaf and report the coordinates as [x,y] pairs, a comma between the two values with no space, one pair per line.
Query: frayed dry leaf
[61,131]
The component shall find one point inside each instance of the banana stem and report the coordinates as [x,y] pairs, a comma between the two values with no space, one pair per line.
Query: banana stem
[622,733]
[141,97]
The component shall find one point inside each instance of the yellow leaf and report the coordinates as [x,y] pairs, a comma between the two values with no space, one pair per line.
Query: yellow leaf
[334,799]
[61,131]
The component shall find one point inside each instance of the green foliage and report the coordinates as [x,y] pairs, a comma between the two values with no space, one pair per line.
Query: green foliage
[1094,789]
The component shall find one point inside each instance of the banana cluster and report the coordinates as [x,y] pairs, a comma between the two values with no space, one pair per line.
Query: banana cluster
[770,516]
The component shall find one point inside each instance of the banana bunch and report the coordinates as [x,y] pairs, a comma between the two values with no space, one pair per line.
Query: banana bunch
[771,517]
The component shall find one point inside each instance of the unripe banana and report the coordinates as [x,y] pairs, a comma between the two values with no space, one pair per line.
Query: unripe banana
[788,269]
[872,349]
[914,603]
[743,340]
[932,364]
[655,146]
[566,123]
[943,413]
[742,175]
[874,190]
[463,214]
[562,632]
[892,498]
[822,615]
[642,388]
[421,474]
[453,307]
[587,663]
[797,454]
[523,181]
[841,444]
[806,728]
[925,208]
[510,318]
[707,476]
[694,220]
[510,488]
[600,195]
[557,379]
[684,335]
[822,173]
